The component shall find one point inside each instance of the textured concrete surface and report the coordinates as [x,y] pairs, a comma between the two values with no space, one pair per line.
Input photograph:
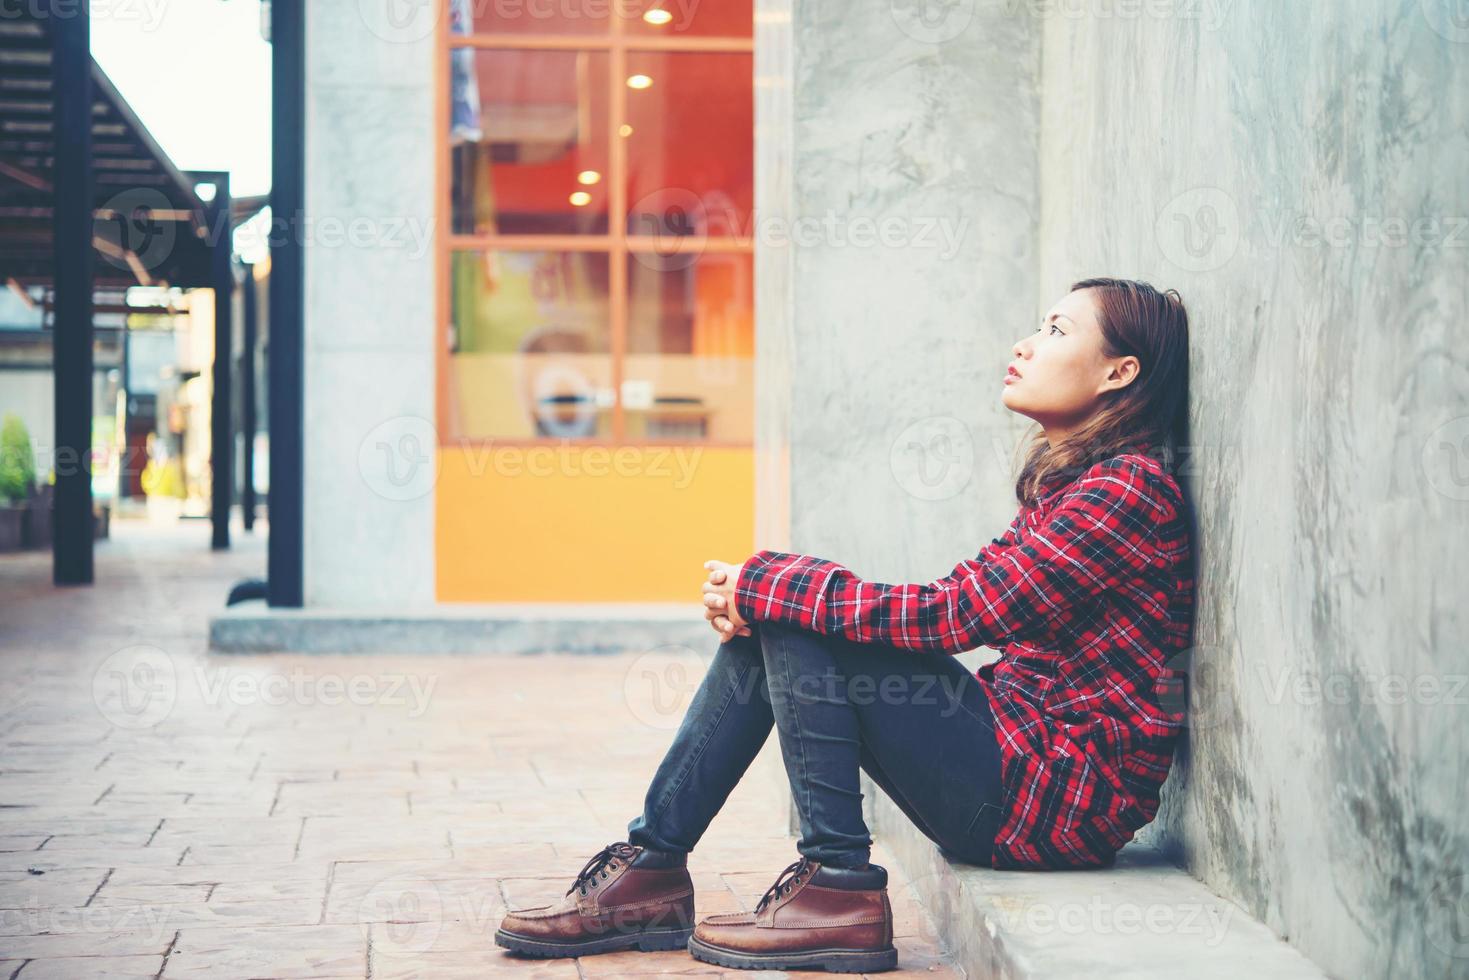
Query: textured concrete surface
[1299,173]
[171,813]
[906,172]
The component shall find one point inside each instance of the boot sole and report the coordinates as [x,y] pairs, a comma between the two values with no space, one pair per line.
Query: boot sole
[650,941]
[830,960]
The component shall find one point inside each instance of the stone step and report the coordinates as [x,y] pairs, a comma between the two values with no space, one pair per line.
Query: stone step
[1144,917]
[514,628]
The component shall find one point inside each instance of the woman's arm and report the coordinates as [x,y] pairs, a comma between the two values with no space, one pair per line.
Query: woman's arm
[1099,533]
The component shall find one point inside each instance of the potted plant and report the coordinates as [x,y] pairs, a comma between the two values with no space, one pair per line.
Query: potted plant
[17,481]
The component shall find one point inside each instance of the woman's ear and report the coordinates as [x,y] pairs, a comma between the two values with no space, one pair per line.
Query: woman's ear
[1123,372]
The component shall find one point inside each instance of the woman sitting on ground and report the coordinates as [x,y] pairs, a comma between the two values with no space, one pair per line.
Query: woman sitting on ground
[1052,756]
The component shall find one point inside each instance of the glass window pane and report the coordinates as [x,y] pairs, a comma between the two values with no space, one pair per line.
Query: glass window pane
[690,347]
[690,154]
[537,16]
[529,142]
[674,18]
[530,351]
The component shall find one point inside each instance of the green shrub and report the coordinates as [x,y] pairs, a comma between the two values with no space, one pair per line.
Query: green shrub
[17,461]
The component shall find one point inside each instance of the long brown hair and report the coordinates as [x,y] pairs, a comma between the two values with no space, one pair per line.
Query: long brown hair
[1150,415]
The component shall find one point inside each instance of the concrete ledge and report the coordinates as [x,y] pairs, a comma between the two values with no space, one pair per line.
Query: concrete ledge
[500,629]
[1143,917]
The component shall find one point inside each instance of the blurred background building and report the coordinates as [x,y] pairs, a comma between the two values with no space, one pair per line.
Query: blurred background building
[141,399]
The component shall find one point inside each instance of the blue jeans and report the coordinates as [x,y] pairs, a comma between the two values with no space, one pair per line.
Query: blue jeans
[917,722]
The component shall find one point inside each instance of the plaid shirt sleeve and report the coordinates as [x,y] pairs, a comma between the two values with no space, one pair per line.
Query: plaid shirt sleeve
[1100,531]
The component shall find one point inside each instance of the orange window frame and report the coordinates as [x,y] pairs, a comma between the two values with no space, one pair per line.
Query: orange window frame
[617,244]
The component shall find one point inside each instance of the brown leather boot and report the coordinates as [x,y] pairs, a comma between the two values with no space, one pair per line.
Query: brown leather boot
[626,897]
[834,918]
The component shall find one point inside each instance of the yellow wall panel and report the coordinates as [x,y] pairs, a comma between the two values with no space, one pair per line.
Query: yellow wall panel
[589,524]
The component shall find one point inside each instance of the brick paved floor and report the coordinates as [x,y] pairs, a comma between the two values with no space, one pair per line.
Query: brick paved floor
[168,813]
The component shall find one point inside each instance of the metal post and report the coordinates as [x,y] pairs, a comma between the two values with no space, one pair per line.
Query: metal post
[71,125]
[221,429]
[126,459]
[287,205]
[247,398]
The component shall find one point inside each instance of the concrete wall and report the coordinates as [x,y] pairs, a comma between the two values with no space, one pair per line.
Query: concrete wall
[897,210]
[1299,172]
[369,305]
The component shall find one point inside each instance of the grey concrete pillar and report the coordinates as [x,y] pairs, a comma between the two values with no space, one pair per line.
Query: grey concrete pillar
[369,321]
[897,212]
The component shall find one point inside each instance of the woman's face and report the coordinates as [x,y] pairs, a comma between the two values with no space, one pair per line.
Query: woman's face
[1059,371]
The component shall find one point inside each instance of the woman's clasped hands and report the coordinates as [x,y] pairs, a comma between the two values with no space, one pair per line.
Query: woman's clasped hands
[719,602]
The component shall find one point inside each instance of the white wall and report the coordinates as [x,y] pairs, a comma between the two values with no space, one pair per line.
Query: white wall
[30,395]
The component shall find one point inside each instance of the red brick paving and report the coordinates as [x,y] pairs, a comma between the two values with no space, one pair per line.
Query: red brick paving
[165,812]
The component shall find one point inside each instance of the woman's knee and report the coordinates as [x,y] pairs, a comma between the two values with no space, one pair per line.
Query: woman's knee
[741,649]
[739,666]
[771,630]
[737,655]
[781,640]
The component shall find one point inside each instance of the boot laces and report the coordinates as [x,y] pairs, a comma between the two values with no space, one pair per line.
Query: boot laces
[783,883]
[587,877]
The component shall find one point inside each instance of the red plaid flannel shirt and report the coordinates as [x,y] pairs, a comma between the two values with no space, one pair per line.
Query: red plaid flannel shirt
[1088,596]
